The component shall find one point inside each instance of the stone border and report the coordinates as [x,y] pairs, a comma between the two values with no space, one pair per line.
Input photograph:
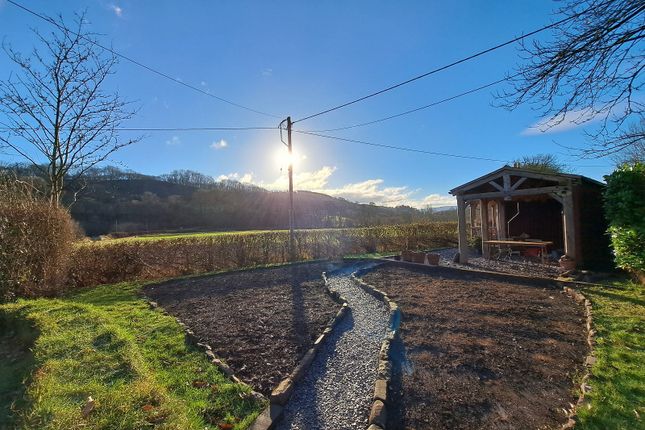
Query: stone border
[281,394]
[566,285]
[378,413]
[590,359]
[192,339]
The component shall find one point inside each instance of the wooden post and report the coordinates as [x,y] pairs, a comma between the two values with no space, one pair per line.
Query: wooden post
[473,217]
[484,219]
[463,241]
[569,225]
[292,246]
[501,219]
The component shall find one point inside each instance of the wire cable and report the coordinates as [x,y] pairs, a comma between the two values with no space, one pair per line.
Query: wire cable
[399,148]
[133,61]
[439,69]
[407,112]
[160,129]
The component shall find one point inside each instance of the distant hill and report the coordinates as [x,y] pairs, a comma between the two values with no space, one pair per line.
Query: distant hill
[146,205]
[113,200]
[444,208]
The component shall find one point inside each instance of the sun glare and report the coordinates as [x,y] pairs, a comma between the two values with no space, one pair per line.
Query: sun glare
[283,159]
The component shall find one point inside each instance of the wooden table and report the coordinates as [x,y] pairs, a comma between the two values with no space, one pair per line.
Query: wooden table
[526,244]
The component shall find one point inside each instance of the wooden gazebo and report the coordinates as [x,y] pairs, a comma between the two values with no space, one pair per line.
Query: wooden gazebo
[563,209]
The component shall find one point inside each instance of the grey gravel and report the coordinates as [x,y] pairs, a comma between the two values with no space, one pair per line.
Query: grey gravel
[515,266]
[336,393]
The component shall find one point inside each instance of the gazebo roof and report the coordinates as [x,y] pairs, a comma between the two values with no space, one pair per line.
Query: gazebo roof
[560,178]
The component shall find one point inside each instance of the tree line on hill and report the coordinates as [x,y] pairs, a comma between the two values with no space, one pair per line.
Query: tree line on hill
[111,200]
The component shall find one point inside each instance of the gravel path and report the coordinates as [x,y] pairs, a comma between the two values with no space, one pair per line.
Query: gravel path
[337,391]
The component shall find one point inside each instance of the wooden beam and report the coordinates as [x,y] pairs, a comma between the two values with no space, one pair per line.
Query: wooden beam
[526,192]
[507,182]
[557,197]
[463,241]
[569,226]
[496,185]
[518,183]
[501,220]
[484,218]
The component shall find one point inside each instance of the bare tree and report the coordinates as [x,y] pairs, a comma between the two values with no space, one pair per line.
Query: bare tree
[590,71]
[545,163]
[634,151]
[55,109]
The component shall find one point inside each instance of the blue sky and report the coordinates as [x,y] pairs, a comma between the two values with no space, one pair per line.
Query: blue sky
[297,58]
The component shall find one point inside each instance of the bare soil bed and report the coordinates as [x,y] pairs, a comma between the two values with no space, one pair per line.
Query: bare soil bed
[261,322]
[481,351]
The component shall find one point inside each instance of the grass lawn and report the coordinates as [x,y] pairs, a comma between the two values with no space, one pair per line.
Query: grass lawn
[617,397]
[106,343]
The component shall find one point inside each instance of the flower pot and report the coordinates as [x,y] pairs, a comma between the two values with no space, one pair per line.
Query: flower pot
[419,257]
[433,259]
[567,263]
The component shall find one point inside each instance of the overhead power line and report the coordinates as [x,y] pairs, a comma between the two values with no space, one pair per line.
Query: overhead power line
[399,148]
[438,69]
[160,129]
[138,63]
[407,112]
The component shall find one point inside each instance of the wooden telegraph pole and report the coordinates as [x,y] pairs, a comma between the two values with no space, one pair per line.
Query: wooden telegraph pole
[292,249]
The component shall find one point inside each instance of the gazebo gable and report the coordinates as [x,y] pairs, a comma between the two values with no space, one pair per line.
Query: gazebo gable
[509,181]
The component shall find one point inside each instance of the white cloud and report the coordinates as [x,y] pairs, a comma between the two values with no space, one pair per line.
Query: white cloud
[267,72]
[312,181]
[436,200]
[246,178]
[370,190]
[118,11]
[175,140]
[563,122]
[219,145]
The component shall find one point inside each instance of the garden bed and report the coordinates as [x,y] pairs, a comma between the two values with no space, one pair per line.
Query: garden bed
[261,322]
[481,351]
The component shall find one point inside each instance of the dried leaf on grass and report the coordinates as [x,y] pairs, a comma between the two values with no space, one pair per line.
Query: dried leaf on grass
[89,406]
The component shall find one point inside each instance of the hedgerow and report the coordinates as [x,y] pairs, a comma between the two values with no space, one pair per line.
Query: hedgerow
[625,208]
[35,242]
[95,263]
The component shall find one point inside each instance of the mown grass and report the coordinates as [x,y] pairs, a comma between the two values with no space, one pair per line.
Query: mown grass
[617,397]
[108,344]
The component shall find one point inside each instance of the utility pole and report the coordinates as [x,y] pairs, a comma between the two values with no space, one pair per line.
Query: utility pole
[292,250]
[292,243]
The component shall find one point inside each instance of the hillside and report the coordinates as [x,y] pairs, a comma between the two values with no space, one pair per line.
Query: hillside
[116,201]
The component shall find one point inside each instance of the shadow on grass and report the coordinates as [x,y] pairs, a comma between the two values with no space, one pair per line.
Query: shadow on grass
[17,362]
[618,297]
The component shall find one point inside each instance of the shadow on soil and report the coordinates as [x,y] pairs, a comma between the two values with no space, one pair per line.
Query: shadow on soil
[299,316]
[400,366]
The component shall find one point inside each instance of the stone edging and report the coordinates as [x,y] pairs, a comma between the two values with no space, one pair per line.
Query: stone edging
[590,359]
[192,338]
[378,413]
[281,394]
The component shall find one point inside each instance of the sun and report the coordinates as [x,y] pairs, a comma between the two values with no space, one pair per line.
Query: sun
[283,159]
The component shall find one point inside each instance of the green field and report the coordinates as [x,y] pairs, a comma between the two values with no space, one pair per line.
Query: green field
[108,344]
[206,234]
[191,235]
